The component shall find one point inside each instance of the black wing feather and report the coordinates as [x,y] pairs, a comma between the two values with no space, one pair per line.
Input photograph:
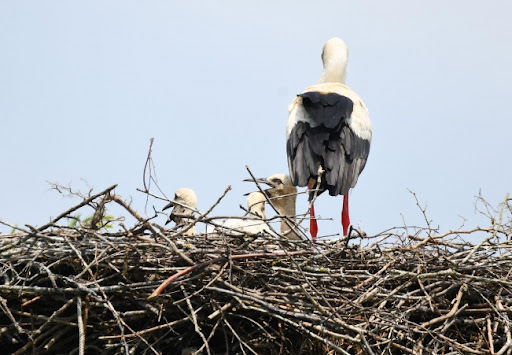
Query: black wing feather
[328,142]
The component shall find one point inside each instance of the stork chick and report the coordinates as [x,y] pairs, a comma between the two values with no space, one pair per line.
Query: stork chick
[184,205]
[283,196]
[253,222]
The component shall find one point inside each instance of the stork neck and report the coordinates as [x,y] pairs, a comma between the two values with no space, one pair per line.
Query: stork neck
[288,209]
[287,206]
[334,72]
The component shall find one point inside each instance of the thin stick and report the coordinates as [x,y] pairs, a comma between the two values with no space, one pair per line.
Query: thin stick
[479,245]
[81,328]
[462,289]
[194,320]
[73,209]
[189,269]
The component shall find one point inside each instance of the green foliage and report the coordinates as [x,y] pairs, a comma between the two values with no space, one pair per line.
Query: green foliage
[73,221]
[103,224]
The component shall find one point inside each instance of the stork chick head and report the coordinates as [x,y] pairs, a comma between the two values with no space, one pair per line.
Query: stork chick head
[281,192]
[256,203]
[184,203]
[186,197]
[280,182]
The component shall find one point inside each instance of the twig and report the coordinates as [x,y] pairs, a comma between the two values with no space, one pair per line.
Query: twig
[81,328]
[167,282]
[462,289]
[194,320]
[73,209]
[479,245]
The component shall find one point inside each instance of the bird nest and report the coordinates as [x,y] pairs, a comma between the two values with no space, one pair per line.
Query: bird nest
[79,288]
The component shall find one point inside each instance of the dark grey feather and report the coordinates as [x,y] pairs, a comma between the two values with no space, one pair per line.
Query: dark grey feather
[328,142]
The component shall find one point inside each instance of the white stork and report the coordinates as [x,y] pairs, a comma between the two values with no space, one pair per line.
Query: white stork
[283,196]
[328,133]
[184,203]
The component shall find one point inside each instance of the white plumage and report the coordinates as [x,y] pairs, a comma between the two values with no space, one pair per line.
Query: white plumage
[253,222]
[184,205]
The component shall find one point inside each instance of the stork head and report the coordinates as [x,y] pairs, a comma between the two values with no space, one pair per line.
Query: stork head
[256,203]
[279,181]
[184,205]
[184,196]
[281,191]
[334,58]
[184,202]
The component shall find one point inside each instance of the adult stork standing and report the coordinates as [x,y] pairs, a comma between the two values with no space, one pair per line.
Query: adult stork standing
[328,134]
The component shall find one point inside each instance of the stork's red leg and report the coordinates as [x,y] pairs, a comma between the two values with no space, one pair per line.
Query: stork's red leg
[313,226]
[345,219]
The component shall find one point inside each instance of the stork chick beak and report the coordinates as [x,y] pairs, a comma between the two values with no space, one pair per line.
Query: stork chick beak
[169,205]
[262,181]
[258,180]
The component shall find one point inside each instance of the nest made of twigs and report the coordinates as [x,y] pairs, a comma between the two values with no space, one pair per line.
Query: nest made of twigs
[83,289]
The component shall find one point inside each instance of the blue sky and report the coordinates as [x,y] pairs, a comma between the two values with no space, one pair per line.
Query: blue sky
[84,86]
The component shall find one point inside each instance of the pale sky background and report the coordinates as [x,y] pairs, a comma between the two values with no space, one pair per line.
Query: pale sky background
[85,85]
